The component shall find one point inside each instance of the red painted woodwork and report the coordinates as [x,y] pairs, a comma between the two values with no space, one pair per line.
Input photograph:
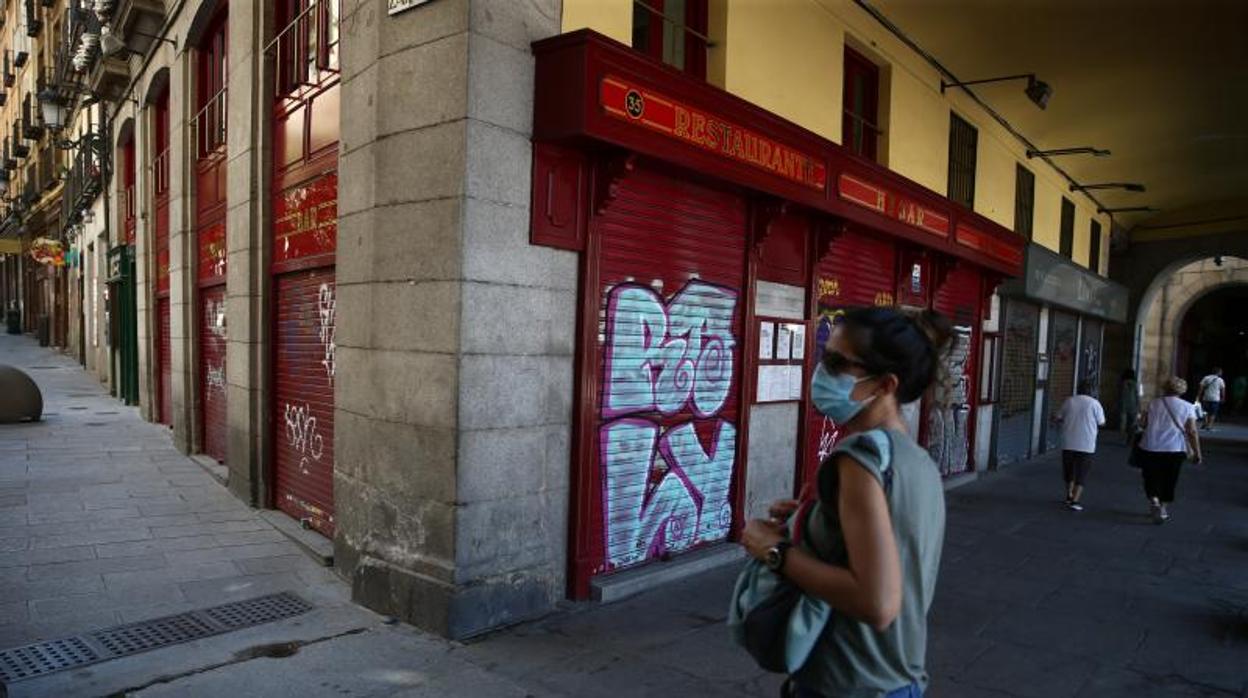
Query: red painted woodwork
[914,277]
[214,424]
[306,127]
[164,364]
[560,191]
[305,224]
[855,269]
[959,298]
[210,235]
[304,398]
[126,195]
[660,245]
[783,248]
[569,110]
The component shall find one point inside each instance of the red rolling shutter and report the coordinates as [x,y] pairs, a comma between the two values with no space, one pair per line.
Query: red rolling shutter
[304,397]
[950,432]
[212,336]
[856,270]
[671,306]
[164,364]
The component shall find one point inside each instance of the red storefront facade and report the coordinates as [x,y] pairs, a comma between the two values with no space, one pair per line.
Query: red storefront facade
[160,203]
[306,127]
[210,234]
[683,202]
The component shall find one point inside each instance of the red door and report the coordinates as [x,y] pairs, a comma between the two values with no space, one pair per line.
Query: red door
[304,395]
[210,207]
[856,269]
[160,181]
[305,237]
[212,336]
[950,432]
[164,363]
[661,423]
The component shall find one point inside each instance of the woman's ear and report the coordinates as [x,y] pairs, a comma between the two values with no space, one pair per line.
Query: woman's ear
[888,383]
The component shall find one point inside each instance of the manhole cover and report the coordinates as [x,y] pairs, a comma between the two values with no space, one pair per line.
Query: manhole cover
[43,658]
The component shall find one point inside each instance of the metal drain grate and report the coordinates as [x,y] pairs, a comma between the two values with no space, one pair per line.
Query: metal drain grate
[140,637]
[42,658]
[242,614]
[77,408]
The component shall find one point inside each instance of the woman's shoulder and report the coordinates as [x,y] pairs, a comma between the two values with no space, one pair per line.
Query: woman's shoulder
[873,447]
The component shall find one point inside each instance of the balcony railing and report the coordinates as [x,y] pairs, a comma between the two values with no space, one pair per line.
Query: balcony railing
[160,173]
[210,125]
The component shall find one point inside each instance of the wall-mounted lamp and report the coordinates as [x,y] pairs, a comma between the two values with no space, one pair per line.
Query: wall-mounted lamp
[1129,209]
[1126,186]
[52,107]
[1082,150]
[1038,91]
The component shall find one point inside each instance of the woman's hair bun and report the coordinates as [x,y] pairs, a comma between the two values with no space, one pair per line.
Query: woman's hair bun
[935,327]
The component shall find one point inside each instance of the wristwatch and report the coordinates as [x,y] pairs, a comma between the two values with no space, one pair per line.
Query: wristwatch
[776,554]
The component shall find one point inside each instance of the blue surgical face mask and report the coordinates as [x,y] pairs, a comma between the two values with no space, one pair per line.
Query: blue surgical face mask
[831,394]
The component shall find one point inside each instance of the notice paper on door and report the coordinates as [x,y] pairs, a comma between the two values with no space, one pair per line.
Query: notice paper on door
[779,383]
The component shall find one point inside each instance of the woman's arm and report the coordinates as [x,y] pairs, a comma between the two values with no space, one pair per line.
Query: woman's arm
[1193,438]
[869,589]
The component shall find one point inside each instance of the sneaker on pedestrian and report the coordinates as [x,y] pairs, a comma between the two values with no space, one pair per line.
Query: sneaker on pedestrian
[1154,512]
[1074,506]
[1163,515]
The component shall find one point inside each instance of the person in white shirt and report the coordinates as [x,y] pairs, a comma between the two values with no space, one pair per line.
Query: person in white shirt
[1080,417]
[1212,394]
[1169,424]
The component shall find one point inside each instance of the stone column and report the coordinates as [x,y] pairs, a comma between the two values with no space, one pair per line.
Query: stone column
[455,336]
[248,176]
[181,250]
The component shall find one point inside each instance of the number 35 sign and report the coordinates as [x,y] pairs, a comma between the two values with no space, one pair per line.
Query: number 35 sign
[394,7]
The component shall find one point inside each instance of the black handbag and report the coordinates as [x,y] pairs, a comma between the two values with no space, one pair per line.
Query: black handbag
[766,624]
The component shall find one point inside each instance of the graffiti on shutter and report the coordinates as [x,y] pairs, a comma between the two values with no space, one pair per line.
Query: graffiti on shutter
[667,362]
[947,420]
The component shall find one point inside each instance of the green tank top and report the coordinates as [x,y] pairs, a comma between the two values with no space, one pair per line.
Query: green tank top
[851,658]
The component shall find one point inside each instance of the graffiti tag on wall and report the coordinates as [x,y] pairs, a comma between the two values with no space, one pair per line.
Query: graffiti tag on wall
[325,309]
[666,454]
[947,432]
[303,436]
[214,373]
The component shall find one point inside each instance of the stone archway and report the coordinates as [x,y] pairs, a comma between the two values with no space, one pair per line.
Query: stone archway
[1167,301]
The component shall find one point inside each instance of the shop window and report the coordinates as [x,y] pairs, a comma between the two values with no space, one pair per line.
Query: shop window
[860,122]
[307,45]
[673,31]
[1094,253]
[1024,200]
[963,141]
[1067,245]
[210,121]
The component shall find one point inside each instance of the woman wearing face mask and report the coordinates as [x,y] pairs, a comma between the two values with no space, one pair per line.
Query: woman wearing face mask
[880,505]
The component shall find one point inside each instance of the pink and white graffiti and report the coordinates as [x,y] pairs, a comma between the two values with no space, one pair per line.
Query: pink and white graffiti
[666,363]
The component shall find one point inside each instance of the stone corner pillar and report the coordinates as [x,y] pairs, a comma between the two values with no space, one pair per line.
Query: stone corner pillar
[455,337]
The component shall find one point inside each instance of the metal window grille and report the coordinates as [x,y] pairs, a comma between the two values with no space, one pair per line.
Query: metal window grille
[1068,229]
[1024,201]
[1094,254]
[963,141]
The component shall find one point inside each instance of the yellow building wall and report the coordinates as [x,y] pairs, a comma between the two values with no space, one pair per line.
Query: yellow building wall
[787,57]
[613,18]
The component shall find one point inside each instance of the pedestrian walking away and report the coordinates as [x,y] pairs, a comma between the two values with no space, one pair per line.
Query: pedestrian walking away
[1169,438]
[1080,417]
[1128,403]
[879,504]
[1212,395]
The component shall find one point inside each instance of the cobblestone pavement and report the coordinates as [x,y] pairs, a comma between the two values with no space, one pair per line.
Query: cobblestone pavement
[102,521]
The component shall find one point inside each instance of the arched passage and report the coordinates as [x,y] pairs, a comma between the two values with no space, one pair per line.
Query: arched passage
[1213,333]
[1166,303]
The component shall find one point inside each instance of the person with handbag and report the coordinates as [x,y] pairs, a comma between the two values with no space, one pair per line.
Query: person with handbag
[1169,437]
[879,515]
